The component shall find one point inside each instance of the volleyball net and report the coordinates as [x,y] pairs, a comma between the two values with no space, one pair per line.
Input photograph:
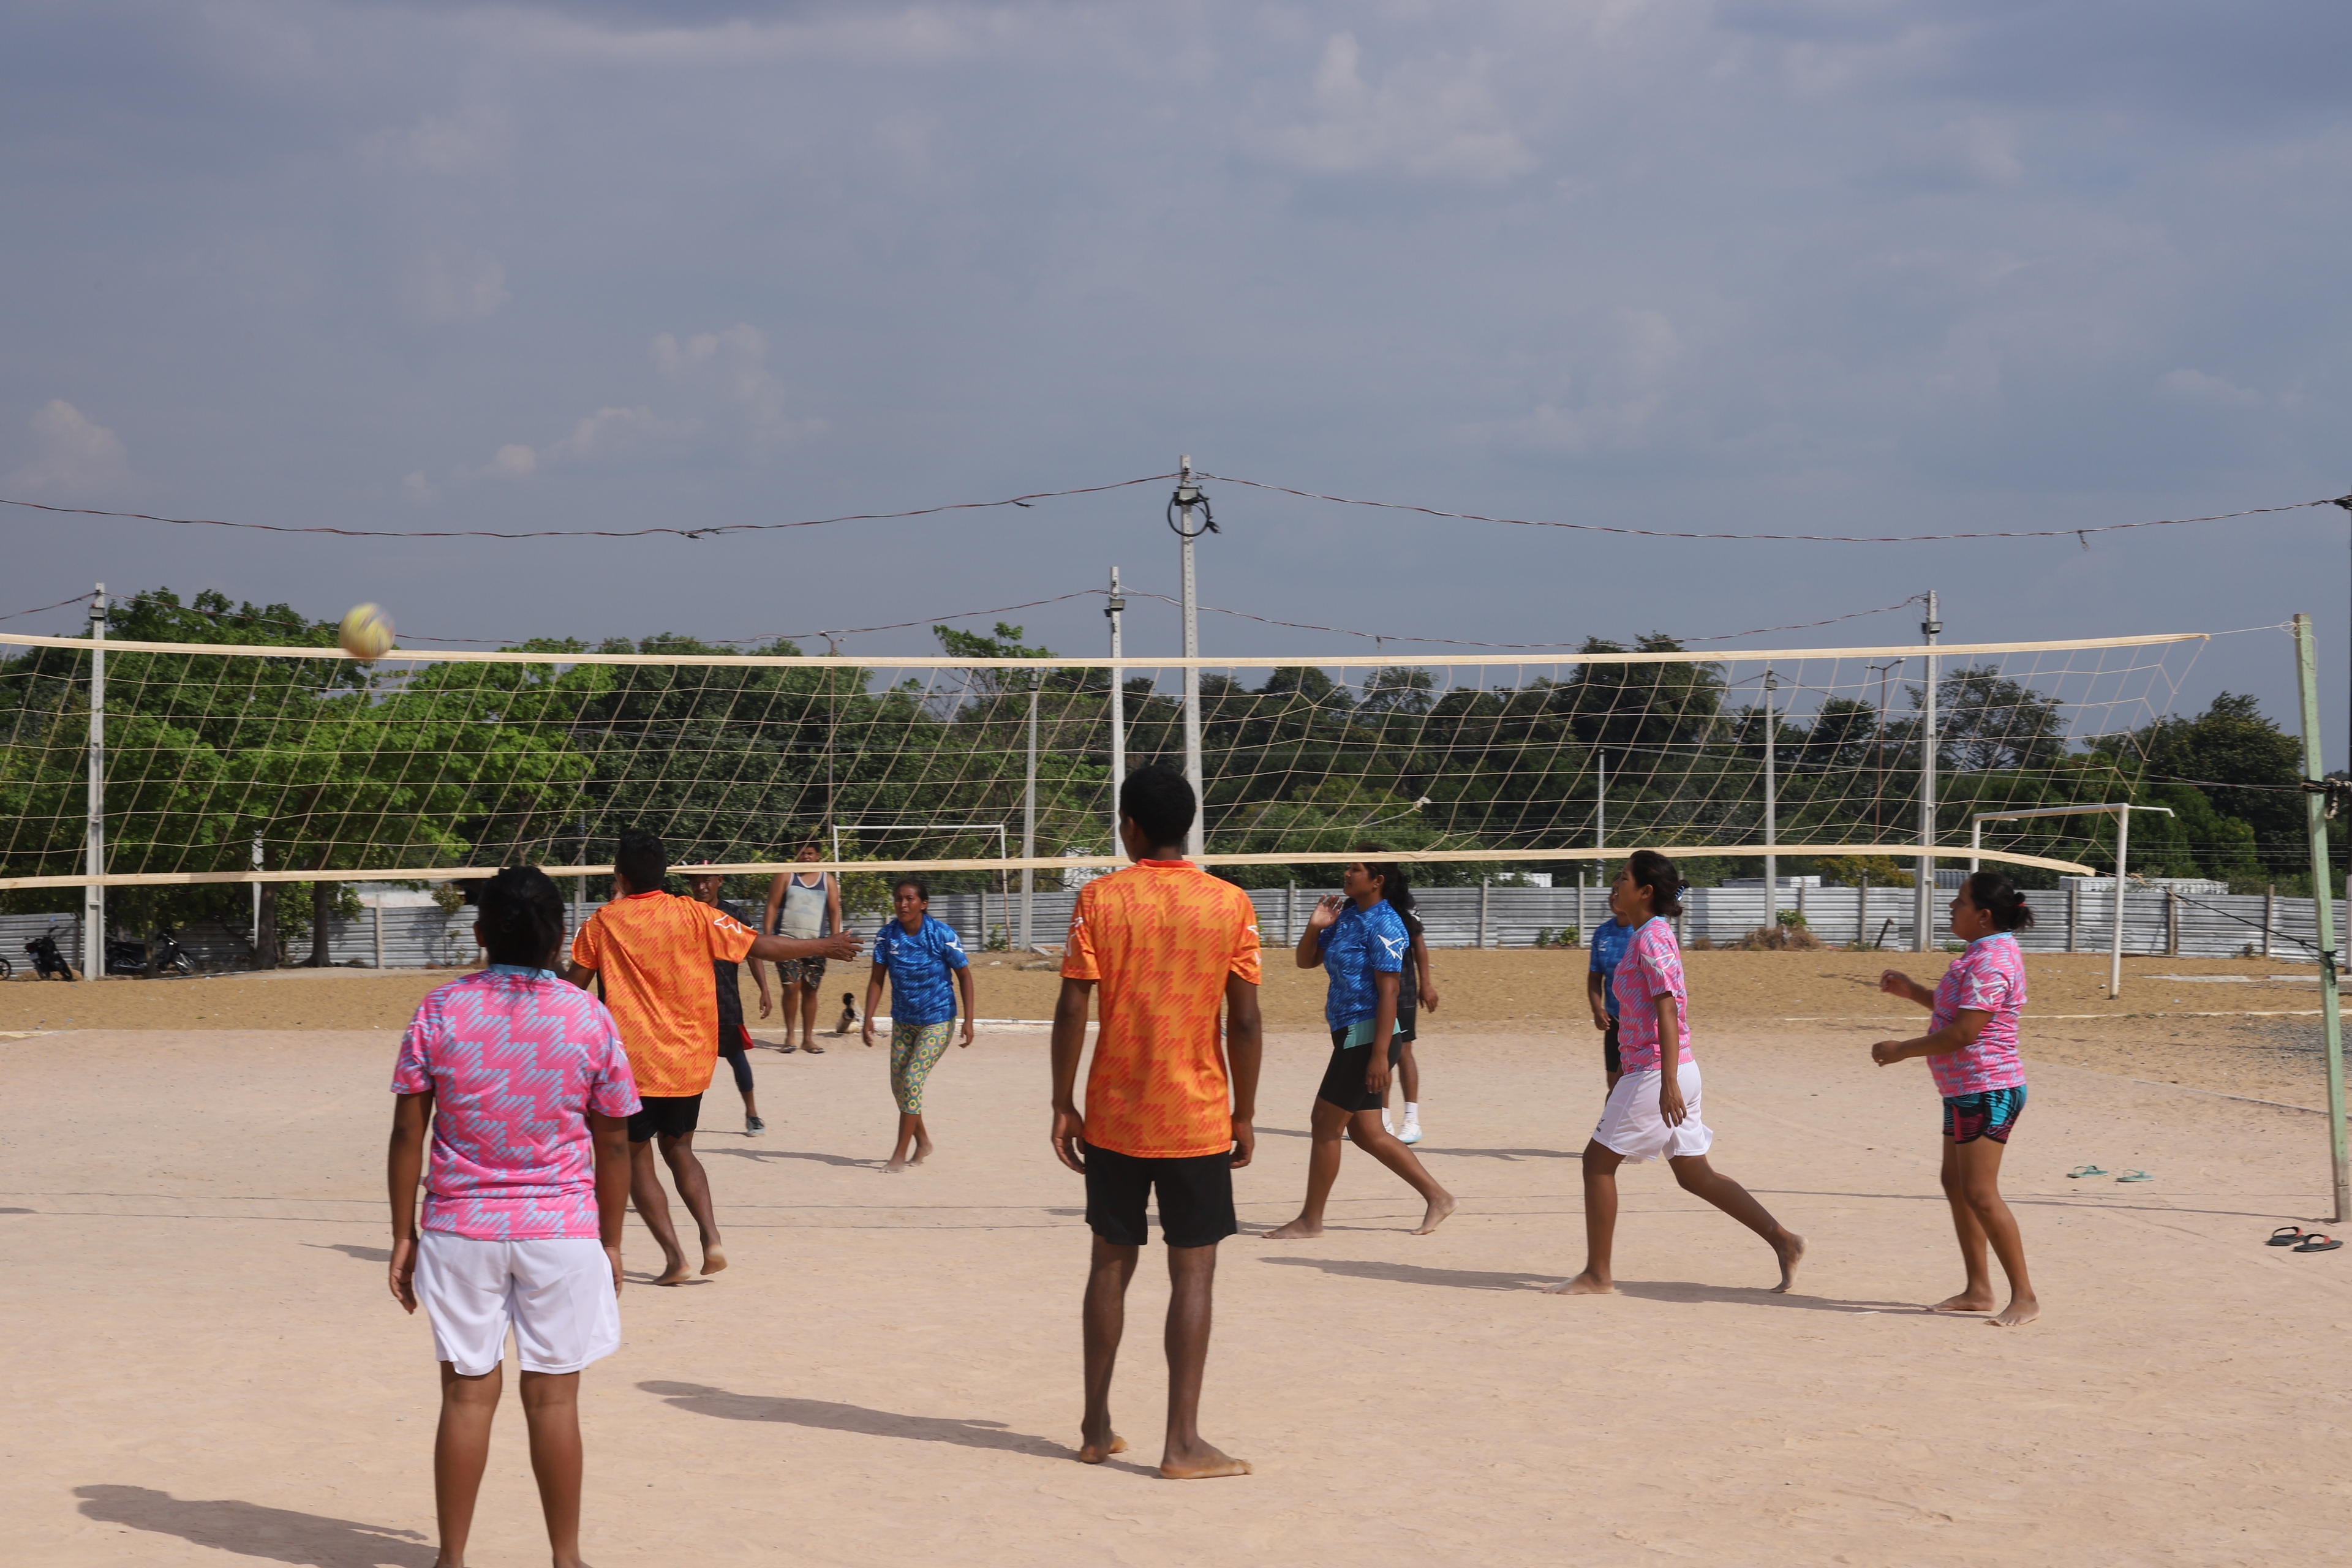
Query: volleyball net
[224,764]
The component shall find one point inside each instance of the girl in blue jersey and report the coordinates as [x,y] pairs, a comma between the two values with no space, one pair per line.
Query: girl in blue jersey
[915,954]
[1358,940]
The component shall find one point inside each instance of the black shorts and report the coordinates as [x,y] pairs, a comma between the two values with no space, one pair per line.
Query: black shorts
[1343,1080]
[1196,1197]
[1609,1056]
[671,1117]
[1406,1033]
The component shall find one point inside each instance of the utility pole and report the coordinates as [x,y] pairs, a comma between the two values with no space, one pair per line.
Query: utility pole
[1878,754]
[1187,497]
[1114,611]
[1922,901]
[93,895]
[2315,770]
[1772,806]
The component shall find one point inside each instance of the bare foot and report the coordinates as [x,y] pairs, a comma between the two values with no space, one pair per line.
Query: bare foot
[1792,1248]
[923,1153]
[1439,1207]
[1965,1302]
[2021,1311]
[1096,1453]
[714,1260]
[1201,1464]
[1584,1284]
[675,1274]
[897,1163]
[1296,1230]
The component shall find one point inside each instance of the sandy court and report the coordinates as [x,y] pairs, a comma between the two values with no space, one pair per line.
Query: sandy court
[207,1366]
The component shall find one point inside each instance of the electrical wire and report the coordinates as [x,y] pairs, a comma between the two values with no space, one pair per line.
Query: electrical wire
[2082,533]
[711,532]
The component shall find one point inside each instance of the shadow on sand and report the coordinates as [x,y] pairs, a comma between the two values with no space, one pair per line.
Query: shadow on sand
[827,1416]
[1647,1289]
[842,1160]
[365,1254]
[250,1529]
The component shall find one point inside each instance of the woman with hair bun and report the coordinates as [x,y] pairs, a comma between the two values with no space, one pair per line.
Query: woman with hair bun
[1652,1112]
[1971,1050]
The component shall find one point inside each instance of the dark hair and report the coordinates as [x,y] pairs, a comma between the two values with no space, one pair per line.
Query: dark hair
[922,889]
[1662,877]
[642,859]
[1996,896]
[1395,891]
[1160,801]
[521,916]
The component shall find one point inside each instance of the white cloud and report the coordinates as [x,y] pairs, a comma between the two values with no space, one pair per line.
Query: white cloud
[910,35]
[441,291]
[733,366]
[512,461]
[474,138]
[2212,390]
[1428,118]
[78,455]
[419,490]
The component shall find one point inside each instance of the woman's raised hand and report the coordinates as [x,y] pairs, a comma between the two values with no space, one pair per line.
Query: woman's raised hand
[1327,910]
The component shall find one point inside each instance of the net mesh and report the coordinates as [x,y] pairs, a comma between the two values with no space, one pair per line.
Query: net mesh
[423,765]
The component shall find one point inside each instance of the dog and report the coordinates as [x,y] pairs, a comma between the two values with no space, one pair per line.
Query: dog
[849,1013]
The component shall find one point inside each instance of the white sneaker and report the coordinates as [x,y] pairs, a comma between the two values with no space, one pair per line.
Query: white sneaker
[1411,1134]
[1386,1125]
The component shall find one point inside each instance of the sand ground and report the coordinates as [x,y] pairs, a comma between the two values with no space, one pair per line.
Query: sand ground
[206,1367]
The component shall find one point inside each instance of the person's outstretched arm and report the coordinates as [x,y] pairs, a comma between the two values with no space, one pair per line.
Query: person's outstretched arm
[843,945]
[1894,983]
[403,1168]
[1957,1035]
[1069,1131]
[1244,1053]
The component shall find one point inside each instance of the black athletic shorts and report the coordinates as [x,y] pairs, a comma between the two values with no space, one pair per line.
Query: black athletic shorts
[1196,1197]
[672,1117]
[1609,1056]
[1343,1080]
[1406,1033]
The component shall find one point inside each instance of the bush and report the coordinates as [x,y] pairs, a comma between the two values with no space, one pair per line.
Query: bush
[1788,918]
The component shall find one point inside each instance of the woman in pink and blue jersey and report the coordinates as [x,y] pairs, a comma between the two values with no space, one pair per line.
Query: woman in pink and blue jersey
[1971,1050]
[1653,1108]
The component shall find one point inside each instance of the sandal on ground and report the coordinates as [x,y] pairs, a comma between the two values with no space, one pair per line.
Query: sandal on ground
[2079,1172]
[2135,1176]
[2315,1242]
[2286,1235]
[813,1050]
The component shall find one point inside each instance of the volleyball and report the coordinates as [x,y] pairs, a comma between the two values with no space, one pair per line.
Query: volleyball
[366,631]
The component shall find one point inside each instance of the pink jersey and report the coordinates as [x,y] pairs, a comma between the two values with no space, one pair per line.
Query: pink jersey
[514,1062]
[1651,967]
[1990,977]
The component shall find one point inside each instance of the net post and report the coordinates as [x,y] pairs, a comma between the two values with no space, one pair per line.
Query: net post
[1029,826]
[1187,495]
[2315,770]
[1923,898]
[93,897]
[2115,953]
[1114,610]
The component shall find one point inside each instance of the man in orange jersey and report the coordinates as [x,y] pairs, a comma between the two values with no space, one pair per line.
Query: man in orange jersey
[1167,942]
[654,952]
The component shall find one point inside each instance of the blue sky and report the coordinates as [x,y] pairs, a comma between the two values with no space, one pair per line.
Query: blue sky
[1794,267]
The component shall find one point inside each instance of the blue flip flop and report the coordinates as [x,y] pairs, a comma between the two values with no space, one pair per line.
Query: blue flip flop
[2315,1242]
[2079,1172]
[2135,1176]
[2288,1236]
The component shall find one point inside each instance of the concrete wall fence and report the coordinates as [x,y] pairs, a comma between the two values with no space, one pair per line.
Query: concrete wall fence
[2075,920]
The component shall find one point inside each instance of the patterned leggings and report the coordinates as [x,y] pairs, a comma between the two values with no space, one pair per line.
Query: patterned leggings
[915,1049]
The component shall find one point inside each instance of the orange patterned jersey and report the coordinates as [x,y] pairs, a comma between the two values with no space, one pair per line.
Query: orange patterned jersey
[1158,938]
[654,951]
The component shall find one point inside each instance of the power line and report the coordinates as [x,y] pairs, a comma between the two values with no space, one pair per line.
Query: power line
[2082,534]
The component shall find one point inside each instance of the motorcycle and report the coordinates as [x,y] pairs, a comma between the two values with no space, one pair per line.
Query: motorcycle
[47,959]
[163,955]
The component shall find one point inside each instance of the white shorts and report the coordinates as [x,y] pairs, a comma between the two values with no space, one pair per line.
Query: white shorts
[556,1291]
[1632,1127]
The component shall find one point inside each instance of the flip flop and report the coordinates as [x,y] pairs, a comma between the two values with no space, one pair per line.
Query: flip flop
[2315,1242]
[2079,1172]
[2286,1235]
[813,1050]
[2135,1176]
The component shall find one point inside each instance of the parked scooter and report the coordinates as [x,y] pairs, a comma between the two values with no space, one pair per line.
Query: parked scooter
[163,955]
[47,959]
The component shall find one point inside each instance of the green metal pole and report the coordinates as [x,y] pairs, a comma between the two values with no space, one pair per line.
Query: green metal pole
[2307,675]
